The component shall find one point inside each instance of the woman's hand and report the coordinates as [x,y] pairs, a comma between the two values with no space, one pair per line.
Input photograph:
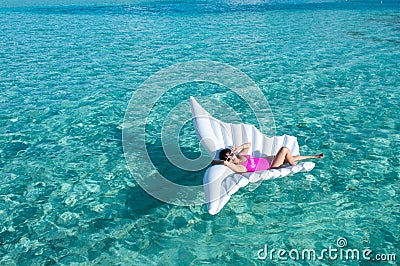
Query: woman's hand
[244,148]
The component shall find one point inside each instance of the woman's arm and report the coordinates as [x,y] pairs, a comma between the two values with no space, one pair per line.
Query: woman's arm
[238,168]
[234,167]
[244,148]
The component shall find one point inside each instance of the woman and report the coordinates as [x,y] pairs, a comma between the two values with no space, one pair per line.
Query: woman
[241,162]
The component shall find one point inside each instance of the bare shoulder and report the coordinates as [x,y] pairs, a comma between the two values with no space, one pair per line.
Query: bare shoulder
[242,157]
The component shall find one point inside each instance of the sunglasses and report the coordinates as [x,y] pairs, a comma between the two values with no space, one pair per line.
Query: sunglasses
[228,159]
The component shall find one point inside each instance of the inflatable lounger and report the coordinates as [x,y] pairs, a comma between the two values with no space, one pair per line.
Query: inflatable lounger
[220,183]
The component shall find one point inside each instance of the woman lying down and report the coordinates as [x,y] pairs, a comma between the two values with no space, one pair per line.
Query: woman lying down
[239,161]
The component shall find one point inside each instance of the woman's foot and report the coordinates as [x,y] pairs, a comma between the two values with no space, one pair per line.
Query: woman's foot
[320,156]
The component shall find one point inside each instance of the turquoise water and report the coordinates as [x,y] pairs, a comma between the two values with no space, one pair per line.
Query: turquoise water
[330,72]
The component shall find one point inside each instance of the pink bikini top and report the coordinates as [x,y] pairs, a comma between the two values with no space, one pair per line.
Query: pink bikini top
[255,164]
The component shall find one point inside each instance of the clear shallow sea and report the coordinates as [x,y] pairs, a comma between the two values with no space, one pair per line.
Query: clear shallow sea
[331,74]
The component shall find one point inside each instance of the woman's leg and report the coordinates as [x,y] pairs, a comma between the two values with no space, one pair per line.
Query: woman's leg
[284,156]
[300,158]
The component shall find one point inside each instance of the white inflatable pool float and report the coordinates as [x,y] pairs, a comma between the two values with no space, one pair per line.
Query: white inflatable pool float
[220,183]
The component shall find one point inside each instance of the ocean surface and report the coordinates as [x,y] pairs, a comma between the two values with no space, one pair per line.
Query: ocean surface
[329,70]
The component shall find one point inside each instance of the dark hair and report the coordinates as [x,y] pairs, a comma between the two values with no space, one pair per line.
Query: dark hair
[222,153]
